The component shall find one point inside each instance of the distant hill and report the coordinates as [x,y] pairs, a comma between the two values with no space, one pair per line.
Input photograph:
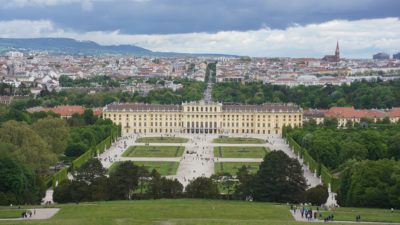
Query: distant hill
[73,47]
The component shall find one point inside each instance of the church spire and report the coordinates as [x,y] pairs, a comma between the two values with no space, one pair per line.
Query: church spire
[337,52]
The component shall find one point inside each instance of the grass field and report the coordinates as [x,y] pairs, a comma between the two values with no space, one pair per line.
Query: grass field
[174,212]
[153,151]
[164,168]
[367,215]
[10,213]
[239,140]
[161,140]
[240,152]
[232,167]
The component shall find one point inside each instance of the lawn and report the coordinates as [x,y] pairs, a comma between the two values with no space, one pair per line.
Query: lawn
[168,211]
[367,215]
[240,152]
[161,140]
[10,213]
[154,151]
[238,140]
[164,168]
[232,167]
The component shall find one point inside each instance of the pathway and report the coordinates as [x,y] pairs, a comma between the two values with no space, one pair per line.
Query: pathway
[297,217]
[38,214]
[197,160]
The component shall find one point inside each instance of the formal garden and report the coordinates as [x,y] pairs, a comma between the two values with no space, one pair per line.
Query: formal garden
[238,140]
[240,152]
[233,167]
[164,168]
[154,151]
[161,140]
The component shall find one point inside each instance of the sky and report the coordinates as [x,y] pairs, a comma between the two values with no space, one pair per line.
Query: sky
[270,28]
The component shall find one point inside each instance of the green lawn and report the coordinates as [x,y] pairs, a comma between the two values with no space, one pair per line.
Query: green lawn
[167,211]
[240,152]
[164,168]
[232,167]
[239,140]
[161,140]
[367,215]
[10,213]
[154,151]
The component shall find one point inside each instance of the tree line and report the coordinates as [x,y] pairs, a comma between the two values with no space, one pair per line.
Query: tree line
[360,94]
[365,160]
[279,179]
[31,143]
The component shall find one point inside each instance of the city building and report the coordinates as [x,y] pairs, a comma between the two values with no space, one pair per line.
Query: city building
[335,57]
[204,117]
[346,115]
[381,56]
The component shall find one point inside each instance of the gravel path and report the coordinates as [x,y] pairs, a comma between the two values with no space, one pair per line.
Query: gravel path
[38,214]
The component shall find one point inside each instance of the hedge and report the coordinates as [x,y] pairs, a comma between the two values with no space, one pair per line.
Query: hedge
[78,162]
[60,176]
[326,176]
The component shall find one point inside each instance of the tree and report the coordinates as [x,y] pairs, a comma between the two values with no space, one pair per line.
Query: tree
[18,183]
[202,187]
[75,149]
[394,147]
[90,171]
[54,132]
[124,180]
[317,195]
[27,146]
[370,184]
[89,117]
[353,150]
[245,186]
[279,179]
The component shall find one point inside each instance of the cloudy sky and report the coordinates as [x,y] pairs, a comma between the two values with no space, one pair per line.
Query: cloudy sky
[295,28]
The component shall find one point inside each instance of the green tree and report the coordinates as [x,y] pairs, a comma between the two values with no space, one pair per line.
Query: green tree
[54,132]
[202,187]
[27,146]
[279,179]
[124,180]
[317,195]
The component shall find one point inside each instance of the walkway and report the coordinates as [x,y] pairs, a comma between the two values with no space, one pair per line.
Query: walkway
[197,160]
[39,214]
[297,217]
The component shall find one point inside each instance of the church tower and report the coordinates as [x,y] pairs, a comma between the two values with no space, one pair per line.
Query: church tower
[337,52]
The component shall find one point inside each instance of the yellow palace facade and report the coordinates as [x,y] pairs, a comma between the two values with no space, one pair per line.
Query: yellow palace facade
[204,118]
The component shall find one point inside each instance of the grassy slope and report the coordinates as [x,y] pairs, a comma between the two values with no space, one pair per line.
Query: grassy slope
[180,211]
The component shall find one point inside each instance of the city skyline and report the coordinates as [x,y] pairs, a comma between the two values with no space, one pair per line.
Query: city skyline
[257,28]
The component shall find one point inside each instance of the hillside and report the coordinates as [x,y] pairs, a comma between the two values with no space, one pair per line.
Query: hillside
[70,46]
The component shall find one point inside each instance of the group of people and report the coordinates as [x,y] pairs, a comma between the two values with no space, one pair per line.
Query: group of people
[28,214]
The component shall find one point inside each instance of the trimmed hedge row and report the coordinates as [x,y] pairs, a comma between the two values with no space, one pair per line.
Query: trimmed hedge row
[326,176]
[60,176]
[78,162]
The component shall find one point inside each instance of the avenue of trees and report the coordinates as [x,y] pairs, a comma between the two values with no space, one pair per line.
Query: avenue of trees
[31,143]
[358,94]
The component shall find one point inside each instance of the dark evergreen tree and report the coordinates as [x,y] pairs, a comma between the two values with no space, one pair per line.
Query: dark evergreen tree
[279,179]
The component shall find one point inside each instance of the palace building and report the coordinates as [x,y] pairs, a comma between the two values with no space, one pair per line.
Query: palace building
[204,117]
